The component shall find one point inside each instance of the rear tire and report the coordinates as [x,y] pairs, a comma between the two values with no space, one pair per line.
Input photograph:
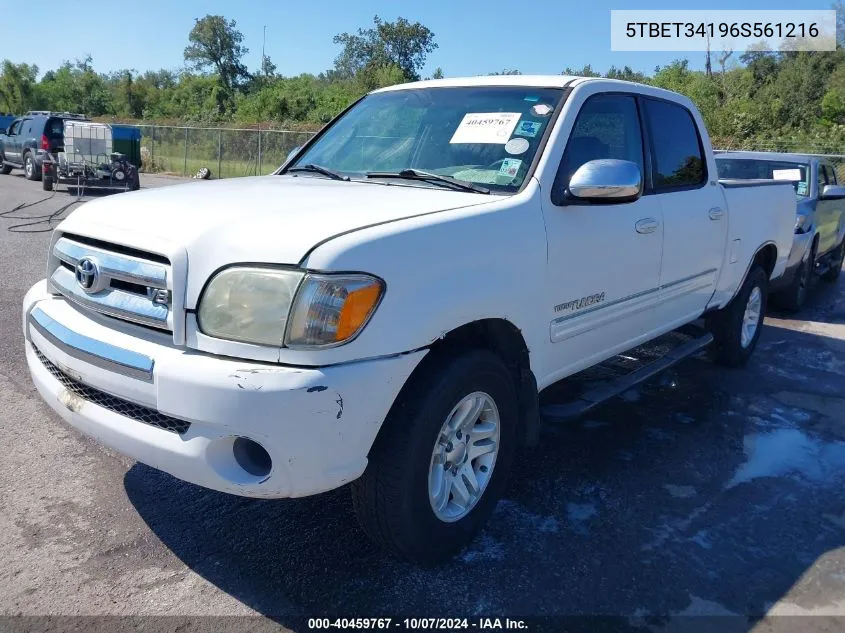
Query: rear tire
[46,183]
[832,274]
[411,464]
[736,327]
[5,169]
[30,167]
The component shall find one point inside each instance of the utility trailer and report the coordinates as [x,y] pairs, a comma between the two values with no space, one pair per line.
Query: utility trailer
[89,159]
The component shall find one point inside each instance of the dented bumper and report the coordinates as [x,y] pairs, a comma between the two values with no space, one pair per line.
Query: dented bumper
[110,380]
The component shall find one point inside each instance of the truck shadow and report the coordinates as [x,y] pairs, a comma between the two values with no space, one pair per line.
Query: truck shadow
[706,492]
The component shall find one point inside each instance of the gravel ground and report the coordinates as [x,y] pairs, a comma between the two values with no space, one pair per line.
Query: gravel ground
[707,492]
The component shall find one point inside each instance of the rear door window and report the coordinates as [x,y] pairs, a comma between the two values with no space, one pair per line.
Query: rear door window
[55,129]
[679,160]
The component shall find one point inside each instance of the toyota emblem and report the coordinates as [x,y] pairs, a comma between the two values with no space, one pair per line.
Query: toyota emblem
[88,274]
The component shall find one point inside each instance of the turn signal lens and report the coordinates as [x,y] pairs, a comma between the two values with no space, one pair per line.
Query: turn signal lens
[332,309]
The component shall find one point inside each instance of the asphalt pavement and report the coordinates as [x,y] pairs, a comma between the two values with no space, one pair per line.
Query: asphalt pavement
[708,496]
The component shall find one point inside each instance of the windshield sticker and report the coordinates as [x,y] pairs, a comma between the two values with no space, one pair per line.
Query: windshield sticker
[541,109]
[528,128]
[510,166]
[786,174]
[516,146]
[486,127]
[801,190]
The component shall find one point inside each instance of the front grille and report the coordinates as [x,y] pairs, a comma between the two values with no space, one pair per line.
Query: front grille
[115,280]
[113,403]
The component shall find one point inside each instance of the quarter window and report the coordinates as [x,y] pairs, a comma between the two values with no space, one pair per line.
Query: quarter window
[607,126]
[678,156]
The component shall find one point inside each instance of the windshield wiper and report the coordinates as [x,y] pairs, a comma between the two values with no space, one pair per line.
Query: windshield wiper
[416,174]
[319,169]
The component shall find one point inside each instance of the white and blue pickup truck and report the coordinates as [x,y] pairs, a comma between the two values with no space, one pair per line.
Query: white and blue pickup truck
[818,247]
[387,307]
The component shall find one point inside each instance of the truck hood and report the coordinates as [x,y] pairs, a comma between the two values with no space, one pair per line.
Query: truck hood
[272,219]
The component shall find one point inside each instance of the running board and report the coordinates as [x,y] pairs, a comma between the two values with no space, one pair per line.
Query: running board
[619,385]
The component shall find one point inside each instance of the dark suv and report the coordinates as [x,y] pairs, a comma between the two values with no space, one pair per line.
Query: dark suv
[25,142]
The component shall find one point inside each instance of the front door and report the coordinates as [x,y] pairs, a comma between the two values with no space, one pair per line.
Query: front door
[695,217]
[604,259]
[11,144]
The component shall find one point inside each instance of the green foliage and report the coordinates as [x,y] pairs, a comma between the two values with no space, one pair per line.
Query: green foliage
[216,43]
[400,43]
[17,86]
[796,98]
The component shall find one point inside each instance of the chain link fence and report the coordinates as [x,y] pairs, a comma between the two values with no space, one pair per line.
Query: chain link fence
[226,152]
[234,152]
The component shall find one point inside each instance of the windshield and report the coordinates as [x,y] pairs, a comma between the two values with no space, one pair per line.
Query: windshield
[753,169]
[482,135]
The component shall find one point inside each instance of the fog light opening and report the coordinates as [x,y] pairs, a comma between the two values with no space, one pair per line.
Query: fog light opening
[252,457]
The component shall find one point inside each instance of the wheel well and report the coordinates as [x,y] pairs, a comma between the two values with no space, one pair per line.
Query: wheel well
[767,257]
[504,339]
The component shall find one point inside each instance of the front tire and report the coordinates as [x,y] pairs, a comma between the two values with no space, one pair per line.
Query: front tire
[46,183]
[736,327]
[441,461]
[832,273]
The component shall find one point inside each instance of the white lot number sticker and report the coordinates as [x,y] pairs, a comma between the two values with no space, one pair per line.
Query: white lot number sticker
[786,174]
[486,127]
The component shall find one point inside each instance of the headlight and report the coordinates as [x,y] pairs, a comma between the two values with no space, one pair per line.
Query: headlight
[249,304]
[332,309]
[258,305]
[800,221]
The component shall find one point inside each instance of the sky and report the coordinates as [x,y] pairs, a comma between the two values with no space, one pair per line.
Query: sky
[474,37]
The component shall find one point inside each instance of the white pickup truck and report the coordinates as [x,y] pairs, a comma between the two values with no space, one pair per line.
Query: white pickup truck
[386,308]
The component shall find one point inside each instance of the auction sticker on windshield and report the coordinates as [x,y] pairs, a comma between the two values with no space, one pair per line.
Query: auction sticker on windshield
[786,174]
[528,128]
[486,127]
[510,167]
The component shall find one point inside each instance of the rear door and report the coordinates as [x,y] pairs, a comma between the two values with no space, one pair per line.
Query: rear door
[54,131]
[695,219]
[25,137]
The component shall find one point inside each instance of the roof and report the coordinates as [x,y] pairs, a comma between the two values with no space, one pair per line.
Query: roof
[539,81]
[783,157]
[534,81]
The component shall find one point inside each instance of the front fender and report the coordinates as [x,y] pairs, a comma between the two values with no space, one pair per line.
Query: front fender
[445,270]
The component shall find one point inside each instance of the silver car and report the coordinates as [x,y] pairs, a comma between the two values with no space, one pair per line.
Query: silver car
[819,244]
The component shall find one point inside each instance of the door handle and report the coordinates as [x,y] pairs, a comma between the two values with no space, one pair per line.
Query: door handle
[646,225]
[716,213]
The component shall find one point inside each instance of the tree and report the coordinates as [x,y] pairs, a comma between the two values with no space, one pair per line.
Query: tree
[586,71]
[437,74]
[217,43]
[17,86]
[400,43]
[268,68]
[506,71]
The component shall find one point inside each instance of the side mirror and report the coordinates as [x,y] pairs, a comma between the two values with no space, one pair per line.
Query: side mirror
[833,192]
[293,153]
[607,180]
